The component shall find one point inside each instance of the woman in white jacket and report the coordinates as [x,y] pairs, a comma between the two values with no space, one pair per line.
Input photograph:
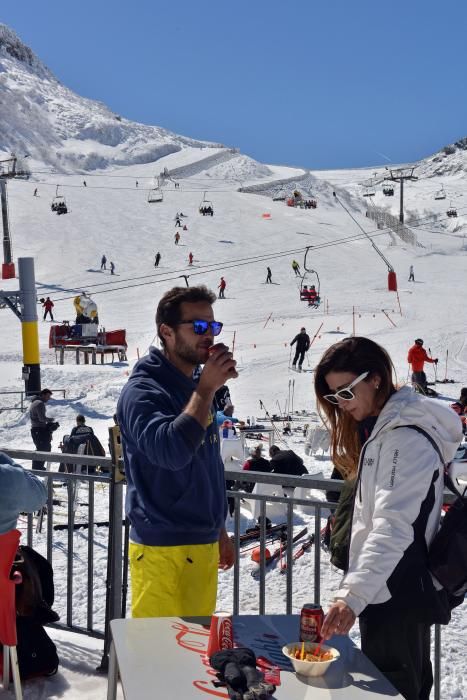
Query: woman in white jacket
[395,443]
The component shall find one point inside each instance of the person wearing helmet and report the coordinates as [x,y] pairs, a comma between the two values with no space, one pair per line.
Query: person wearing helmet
[417,357]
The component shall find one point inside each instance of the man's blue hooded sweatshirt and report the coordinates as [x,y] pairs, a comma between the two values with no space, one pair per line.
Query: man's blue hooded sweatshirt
[176,487]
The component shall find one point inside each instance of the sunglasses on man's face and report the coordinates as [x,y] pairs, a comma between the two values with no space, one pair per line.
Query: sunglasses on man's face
[201,327]
[345,394]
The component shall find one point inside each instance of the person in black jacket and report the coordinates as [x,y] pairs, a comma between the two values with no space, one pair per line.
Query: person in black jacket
[303,343]
[256,463]
[286,462]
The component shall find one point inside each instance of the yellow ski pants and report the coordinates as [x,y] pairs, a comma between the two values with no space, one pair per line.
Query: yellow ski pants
[173,581]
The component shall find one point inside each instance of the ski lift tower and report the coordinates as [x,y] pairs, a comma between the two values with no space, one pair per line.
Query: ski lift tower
[400,175]
[8,170]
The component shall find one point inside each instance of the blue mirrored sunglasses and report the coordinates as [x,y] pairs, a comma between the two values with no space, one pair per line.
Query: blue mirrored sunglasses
[201,327]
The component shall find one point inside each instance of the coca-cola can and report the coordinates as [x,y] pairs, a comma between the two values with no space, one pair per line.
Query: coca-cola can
[311,622]
[220,633]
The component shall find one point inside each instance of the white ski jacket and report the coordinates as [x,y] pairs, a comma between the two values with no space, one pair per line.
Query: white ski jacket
[397,468]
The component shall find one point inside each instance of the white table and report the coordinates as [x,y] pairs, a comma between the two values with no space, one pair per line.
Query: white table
[164,658]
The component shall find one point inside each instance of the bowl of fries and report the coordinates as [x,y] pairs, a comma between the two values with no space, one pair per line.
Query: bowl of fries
[310,659]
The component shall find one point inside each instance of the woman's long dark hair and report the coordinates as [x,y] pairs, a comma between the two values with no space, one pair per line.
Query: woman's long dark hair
[356,355]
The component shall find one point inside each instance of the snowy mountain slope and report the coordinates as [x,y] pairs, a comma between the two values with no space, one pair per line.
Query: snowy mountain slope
[42,117]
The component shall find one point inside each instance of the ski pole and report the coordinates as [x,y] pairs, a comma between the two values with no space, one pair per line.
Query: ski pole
[290,355]
[288,399]
[446,373]
[293,393]
[435,368]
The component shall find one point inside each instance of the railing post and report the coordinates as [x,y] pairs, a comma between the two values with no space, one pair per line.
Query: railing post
[113,602]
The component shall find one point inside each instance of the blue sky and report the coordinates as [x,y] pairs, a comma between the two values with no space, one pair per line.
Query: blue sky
[316,83]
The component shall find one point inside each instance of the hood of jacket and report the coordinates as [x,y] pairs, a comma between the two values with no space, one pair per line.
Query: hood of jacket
[405,407]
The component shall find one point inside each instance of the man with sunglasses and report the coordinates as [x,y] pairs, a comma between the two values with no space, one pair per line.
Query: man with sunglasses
[176,500]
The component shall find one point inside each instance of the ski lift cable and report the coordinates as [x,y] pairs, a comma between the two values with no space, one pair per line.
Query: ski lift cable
[214,267]
[381,255]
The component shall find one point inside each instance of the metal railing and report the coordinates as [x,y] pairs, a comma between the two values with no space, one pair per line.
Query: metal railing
[24,396]
[116,559]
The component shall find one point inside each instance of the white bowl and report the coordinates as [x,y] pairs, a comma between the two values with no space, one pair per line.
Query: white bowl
[309,669]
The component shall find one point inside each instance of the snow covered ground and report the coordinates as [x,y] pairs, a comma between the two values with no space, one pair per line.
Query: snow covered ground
[111,216]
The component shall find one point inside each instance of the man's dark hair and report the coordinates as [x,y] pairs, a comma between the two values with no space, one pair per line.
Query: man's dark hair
[80,418]
[273,450]
[168,309]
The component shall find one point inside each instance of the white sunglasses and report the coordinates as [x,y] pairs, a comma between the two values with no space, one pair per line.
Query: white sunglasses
[346,393]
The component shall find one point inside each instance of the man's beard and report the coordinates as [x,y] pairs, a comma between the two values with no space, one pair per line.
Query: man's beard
[194,356]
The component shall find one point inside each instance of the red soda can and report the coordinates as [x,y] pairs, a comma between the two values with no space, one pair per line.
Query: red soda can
[311,622]
[220,633]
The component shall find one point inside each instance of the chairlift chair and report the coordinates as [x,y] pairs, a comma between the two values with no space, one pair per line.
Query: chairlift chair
[388,189]
[58,204]
[206,208]
[156,194]
[370,192]
[440,194]
[310,278]
[451,212]
[280,196]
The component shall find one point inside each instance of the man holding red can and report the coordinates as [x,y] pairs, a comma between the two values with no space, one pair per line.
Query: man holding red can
[176,500]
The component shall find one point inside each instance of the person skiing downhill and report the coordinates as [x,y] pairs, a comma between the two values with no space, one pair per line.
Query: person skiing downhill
[112,268]
[157,259]
[221,288]
[177,238]
[48,306]
[417,356]
[411,274]
[269,276]
[190,259]
[103,263]
[296,268]
[303,343]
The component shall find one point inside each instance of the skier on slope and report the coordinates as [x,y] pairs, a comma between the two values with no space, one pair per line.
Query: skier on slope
[103,263]
[112,268]
[190,259]
[411,274]
[48,306]
[417,356]
[177,238]
[221,288]
[303,343]
[296,268]
[269,276]
[157,259]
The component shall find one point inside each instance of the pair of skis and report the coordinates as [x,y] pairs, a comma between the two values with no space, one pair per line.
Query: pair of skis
[304,547]
[254,532]
[279,551]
